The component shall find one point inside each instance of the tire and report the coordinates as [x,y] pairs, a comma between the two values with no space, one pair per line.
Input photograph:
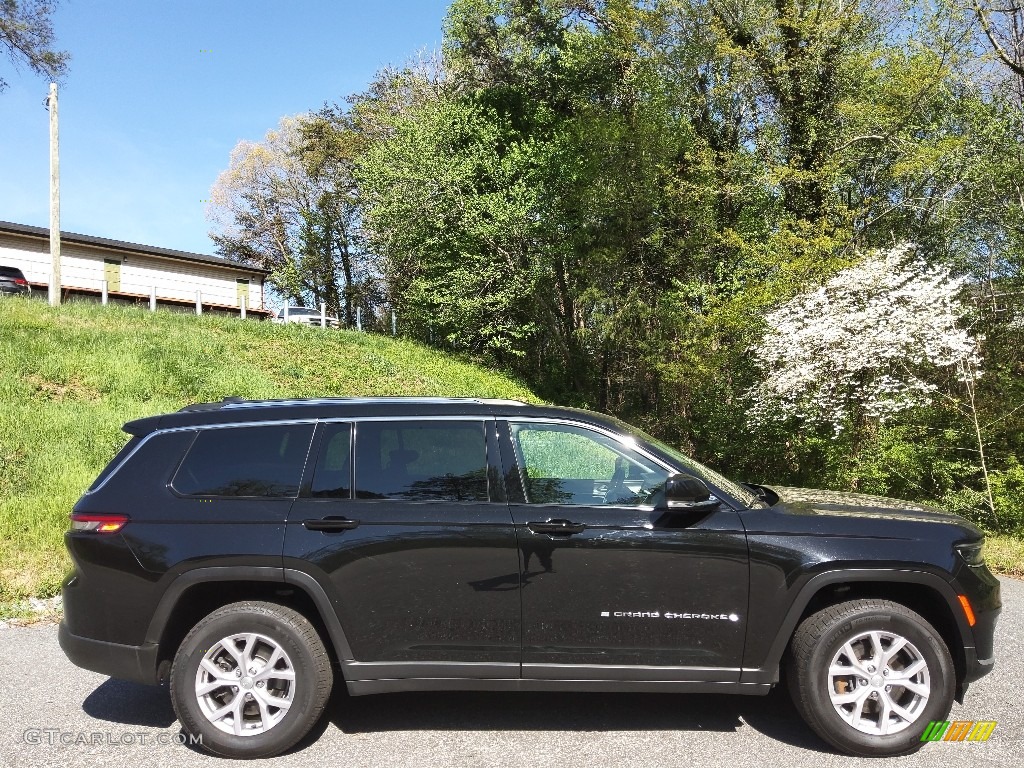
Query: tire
[280,701]
[852,635]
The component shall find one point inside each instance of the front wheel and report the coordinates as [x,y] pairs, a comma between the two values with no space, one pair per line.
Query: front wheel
[251,679]
[869,675]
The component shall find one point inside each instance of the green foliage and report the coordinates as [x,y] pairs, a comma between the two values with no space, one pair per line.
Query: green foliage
[446,193]
[26,35]
[73,375]
[1008,490]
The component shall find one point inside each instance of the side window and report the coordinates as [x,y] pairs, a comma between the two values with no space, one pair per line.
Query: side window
[245,461]
[421,460]
[332,478]
[115,462]
[563,464]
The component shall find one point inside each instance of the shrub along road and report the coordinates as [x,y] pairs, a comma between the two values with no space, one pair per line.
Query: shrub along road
[47,696]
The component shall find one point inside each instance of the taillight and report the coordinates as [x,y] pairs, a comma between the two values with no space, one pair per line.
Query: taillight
[97,523]
[20,281]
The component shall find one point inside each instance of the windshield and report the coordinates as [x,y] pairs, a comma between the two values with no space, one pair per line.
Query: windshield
[745,495]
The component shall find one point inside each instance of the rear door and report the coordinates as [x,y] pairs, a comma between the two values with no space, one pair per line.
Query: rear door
[405,524]
[612,588]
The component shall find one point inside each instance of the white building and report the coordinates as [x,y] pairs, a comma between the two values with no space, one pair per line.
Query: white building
[132,271]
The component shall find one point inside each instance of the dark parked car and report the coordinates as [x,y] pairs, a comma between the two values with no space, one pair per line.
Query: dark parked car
[12,281]
[252,553]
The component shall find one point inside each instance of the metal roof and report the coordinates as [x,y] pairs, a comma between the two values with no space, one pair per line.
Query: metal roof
[121,245]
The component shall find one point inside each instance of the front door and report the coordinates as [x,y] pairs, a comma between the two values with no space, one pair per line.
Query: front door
[112,274]
[405,522]
[612,587]
[242,289]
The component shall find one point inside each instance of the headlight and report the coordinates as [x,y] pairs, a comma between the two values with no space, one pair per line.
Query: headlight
[973,553]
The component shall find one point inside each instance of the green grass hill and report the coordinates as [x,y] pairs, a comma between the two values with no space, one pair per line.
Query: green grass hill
[71,376]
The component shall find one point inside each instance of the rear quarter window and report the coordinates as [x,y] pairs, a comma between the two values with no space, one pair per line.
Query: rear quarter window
[245,462]
[115,462]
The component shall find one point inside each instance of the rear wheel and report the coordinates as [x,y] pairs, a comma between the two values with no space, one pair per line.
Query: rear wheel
[251,679]
[869,675]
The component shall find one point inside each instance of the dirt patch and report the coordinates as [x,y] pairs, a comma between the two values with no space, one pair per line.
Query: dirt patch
[75,389]
[31,612]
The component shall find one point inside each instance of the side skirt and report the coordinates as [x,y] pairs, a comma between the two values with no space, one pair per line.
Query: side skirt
[364,678]
[367,687]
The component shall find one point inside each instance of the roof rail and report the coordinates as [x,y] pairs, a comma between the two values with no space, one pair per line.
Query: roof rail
[212,406]
[237,403]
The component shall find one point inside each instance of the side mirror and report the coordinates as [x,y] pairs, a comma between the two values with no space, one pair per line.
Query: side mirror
[685,493]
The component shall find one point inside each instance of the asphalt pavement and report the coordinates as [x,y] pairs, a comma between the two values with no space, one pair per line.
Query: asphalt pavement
[54,714]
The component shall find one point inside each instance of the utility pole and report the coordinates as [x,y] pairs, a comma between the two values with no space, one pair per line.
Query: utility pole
[51,104]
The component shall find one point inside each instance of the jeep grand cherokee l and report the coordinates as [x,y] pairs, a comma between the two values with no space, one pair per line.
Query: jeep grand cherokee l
[253,553]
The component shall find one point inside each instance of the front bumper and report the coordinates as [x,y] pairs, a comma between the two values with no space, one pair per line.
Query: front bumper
[137,663]
[982,590]
[976,668]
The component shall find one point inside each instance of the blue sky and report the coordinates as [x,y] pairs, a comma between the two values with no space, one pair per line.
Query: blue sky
[160,92]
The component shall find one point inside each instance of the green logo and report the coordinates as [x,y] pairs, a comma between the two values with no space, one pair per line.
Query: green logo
[958,730]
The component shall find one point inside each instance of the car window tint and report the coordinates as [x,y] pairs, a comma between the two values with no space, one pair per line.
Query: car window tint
[421,461]
[563,464]
[116,461]
[11,272]
[332,478]
[245,461]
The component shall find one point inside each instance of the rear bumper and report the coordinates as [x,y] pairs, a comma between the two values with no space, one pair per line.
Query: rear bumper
[137,663]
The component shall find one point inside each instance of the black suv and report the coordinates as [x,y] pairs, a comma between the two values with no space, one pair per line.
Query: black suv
[12,280]
[253,552]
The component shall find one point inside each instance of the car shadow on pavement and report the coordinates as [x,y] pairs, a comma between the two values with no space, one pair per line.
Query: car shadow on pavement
[773,715]
[118,701]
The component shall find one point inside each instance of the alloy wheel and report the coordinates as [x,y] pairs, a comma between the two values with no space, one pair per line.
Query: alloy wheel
[245,684]
[879,683]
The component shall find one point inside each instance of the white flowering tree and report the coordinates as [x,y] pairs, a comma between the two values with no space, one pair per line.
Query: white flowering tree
[866,345]
[863,344]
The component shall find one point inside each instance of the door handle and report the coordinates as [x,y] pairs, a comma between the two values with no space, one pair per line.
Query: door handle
[557,527]
[328,524]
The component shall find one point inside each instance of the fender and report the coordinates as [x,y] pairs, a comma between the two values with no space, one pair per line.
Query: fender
[289,576]
[313,588]
[769,670]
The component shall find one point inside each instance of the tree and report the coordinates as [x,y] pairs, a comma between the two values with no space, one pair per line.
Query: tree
[864,347]
[26,33]
[861,346]
[1002,21]
[804,55]
[288,204]
[452,222]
